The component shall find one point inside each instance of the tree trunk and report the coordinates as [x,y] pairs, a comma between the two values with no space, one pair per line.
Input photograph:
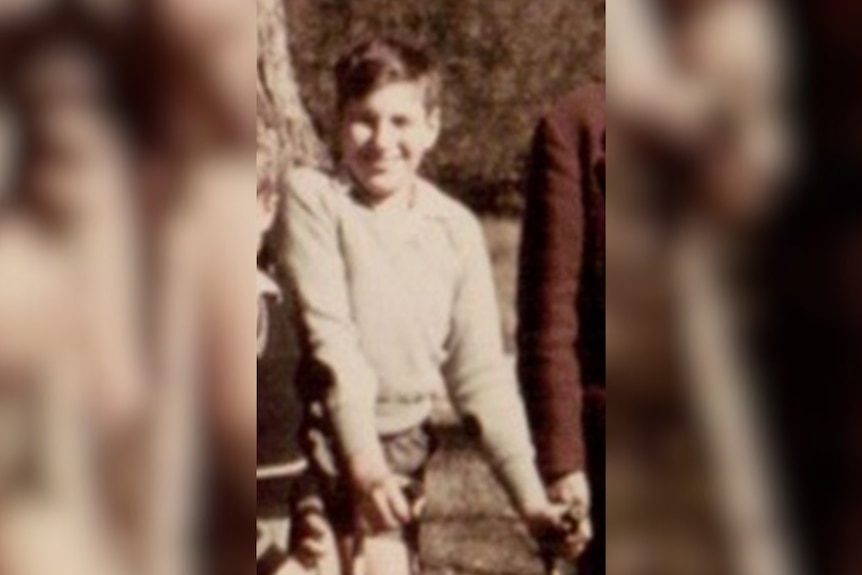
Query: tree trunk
[285,135]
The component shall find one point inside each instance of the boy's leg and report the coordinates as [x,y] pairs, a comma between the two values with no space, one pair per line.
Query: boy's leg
[386,555]
[407,454]
[274,558]
[398,553]
[393,553]
[294,567]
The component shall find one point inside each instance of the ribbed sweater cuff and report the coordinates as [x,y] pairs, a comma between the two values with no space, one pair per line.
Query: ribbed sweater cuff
[360,443]
[521,478]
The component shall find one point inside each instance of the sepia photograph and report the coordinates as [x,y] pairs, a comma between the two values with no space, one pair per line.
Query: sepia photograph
[399,146]
[452,285]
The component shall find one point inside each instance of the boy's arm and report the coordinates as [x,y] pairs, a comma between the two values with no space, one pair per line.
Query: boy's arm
[481,379]
[318,272]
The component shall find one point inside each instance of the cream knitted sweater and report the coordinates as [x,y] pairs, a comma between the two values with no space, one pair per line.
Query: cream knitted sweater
[400,302]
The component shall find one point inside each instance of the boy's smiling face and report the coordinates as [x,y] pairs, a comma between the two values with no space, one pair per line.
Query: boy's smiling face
[386,135]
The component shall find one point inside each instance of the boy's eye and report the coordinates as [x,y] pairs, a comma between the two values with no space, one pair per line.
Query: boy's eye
[358,123]
[361,120]
[401,121]
[367,117]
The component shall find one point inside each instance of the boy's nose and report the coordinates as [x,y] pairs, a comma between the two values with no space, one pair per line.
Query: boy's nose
[384,136]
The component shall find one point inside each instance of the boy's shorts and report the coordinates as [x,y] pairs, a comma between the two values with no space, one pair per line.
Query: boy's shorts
[407,454]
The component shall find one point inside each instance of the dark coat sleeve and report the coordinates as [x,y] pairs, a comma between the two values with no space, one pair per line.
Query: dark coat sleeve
[552,265]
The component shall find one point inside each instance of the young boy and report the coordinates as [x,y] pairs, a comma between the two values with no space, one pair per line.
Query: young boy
[397,293]
[285,495]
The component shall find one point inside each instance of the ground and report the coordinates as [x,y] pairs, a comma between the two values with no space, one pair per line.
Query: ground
[471,529]
[504,236]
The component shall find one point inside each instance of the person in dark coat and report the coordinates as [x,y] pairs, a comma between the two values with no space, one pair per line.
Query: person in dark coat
[561,334]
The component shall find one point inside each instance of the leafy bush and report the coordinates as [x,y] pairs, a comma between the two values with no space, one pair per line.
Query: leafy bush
[505,63]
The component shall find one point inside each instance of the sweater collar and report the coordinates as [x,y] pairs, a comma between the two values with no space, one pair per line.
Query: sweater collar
[427,201]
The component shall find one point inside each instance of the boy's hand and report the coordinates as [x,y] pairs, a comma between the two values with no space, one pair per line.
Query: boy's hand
[383,504]
[316,540]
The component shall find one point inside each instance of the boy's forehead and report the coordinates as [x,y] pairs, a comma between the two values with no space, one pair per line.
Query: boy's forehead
[403,94]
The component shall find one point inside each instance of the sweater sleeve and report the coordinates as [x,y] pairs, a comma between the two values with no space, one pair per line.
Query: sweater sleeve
[551,265]
[319,274]
[481,379]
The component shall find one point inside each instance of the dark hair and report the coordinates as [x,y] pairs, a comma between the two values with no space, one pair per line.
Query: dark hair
[382,61]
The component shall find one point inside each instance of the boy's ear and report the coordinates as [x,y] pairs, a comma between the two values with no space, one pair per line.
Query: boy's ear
[435,124]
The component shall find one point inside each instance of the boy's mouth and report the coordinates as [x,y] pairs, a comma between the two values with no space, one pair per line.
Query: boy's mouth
[384,165]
